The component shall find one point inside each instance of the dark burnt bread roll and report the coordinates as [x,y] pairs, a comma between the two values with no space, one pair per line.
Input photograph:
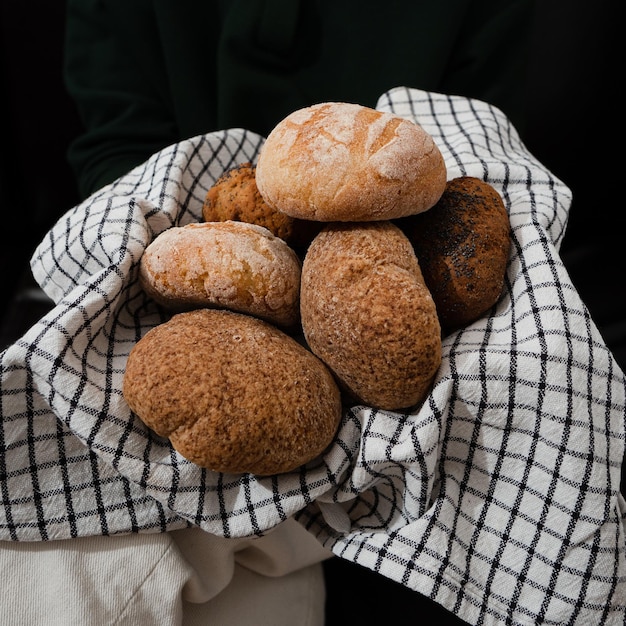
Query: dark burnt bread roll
[462,244]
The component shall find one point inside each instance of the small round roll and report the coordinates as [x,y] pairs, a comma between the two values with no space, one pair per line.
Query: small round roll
[234,265]
[232,393]
[338,161]
[367,313]
[235,196]
[462,245]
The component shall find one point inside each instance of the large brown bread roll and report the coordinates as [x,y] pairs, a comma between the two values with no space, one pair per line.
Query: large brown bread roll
[233,265]
[366,312]
[462,244]
[232,393]
[338,161]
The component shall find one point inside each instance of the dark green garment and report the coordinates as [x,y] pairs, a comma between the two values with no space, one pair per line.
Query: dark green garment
[148,73]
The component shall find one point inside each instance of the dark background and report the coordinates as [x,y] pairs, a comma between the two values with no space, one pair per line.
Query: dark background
[574,126]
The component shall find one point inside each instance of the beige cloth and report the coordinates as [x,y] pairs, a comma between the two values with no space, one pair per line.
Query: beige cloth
[182,578]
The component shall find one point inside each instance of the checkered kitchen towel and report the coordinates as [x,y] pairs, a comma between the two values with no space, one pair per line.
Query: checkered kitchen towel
[499,498]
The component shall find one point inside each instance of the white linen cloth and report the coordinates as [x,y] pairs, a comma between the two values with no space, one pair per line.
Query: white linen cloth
[499,498]
[186,577]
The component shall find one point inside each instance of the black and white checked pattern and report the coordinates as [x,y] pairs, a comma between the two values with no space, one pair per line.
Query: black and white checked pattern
[499,498]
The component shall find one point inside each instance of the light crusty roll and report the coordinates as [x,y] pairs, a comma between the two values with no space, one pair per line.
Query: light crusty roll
[233,265]
[338,161]
[232,393]
[366,312]
[462,245]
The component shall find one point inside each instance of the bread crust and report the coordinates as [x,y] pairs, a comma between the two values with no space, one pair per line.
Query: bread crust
[235,196]
[234,265]
[462,245]
[339,161]
[367,313]
[232,393]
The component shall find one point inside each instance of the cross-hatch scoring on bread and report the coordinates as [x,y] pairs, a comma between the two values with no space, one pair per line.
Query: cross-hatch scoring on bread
[338,161]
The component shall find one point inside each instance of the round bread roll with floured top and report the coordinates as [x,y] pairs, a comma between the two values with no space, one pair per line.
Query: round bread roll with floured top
[234,265]
[366,312]
[338,161]
[462,245]
[232,393]
[235,196]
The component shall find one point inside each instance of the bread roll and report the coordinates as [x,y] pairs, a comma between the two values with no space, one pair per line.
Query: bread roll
[462,245]
[232,265]
[366,312]
[235,196]
[232,393]
[338,161]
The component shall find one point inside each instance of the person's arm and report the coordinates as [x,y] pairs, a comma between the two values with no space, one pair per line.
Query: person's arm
[120,94]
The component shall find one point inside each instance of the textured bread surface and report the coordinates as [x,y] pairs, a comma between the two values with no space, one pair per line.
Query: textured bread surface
[232,392]
[235,196]
[462,244]
[367,313]
[339,161]
[234,265]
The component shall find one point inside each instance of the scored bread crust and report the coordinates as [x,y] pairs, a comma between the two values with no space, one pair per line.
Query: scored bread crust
[233,265]
[232,393]
[367,313]
[339,161]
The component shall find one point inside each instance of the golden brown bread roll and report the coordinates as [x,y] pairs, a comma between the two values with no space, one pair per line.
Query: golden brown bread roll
[339,161]
[462,244]
[232,265]
[235,196]
[366,312]
[232,393]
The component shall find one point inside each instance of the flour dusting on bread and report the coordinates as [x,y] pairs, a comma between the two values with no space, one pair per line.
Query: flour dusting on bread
[340,161]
